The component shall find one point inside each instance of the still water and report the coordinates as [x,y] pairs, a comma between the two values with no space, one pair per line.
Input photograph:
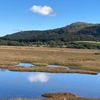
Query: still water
[25,64]
[33,84]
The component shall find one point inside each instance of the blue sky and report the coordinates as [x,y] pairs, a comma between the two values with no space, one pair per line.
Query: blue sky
[20,15]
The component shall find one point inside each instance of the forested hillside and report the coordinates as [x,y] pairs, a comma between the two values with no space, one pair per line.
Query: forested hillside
[78,31]
[75,35]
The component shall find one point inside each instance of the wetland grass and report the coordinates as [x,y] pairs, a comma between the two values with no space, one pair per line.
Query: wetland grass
[80,59]
[57,96]
[60,69]
[65,96]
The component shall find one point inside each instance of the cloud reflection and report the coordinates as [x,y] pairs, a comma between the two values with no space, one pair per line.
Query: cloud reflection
[40,77]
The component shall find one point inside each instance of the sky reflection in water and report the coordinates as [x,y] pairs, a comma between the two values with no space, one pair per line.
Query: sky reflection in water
[25,64]
[33,84]
[38,77]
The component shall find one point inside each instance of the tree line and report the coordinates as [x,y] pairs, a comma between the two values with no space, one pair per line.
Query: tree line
[60,44]
[60,37]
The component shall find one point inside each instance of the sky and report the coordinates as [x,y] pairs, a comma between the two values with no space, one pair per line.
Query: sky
[22,15]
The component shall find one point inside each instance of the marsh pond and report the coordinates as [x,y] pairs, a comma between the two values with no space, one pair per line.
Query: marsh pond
[33,84]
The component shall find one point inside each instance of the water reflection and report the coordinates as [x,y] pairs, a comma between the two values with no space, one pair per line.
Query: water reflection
[2,69]
[52,66]
[38,77]
[67,68]
[55,66]
[33,84]
[25,64]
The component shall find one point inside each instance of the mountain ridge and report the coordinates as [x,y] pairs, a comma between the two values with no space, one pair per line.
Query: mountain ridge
[74,32]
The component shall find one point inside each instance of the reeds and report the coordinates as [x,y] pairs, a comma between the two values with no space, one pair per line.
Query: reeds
[45,69]
[64,96]
[56,96]
[82,59]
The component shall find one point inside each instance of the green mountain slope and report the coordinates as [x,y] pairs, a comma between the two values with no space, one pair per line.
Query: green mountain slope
[78,31]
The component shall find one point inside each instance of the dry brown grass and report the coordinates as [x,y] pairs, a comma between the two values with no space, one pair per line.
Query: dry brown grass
[64,96]
[58,96]
[84,59]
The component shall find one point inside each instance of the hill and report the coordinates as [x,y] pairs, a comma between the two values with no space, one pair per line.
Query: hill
[78,31]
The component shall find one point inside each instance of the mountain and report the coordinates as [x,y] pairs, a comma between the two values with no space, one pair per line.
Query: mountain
[78,31]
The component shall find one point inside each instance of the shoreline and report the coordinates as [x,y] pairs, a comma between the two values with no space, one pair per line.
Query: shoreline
[56,96]
[47,70]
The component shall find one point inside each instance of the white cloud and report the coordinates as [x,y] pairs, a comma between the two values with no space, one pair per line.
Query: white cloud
[40,77]
[42,10]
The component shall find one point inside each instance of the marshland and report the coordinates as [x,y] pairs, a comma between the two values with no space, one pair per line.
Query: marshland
[81,59]
[33,81]
[49,50]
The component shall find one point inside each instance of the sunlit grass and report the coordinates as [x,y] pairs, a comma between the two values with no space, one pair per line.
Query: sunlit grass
[83,59]
[80,60]
[57,96]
